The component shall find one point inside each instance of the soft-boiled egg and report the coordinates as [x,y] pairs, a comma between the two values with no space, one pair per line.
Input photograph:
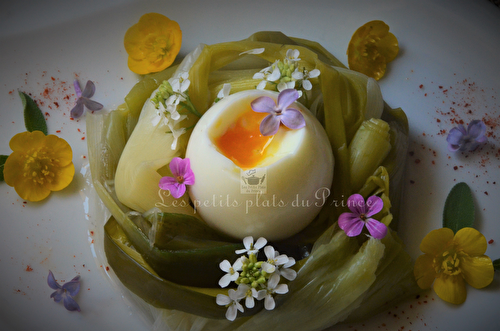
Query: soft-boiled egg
[250,184]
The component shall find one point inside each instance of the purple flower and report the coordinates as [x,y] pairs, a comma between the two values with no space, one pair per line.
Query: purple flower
[467,140]
[84,99]
[183,175]
[353,223]
[65,292]
[280,113]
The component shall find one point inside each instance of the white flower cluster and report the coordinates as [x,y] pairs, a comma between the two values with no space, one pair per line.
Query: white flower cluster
[255,279]
[286,74]
[170,95]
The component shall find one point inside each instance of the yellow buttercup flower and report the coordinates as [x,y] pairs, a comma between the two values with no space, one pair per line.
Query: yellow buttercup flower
[372,46]
[38,165]
[152,44]
[451,260]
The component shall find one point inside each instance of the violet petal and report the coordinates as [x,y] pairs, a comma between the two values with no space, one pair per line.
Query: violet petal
[57,295]
[73,286]
[455,136]
[263,105]
[167,182]
[286,98]
[177,190]
[354,228]
[51,281]
[374,204]
[176,167]
[377,229]
[77,110]
[476,129]
[70,304]
[269,125]
[78,90]
[356,203]
[89,89]
[293,119]
[91,104]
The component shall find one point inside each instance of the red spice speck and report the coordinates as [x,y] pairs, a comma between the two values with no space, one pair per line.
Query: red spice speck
[491,241]
[83,138]
[58,131]
[486,192]
[107,268]
[421,86]
[28,268]
[417,161]
[455,168]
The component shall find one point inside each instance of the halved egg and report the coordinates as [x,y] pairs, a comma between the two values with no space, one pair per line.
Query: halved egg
[250,184]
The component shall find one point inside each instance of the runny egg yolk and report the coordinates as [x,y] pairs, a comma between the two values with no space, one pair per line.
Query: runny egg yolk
[243,143]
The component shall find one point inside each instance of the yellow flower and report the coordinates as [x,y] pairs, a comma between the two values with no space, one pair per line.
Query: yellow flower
[451,260]
[372,46]
[38,165]
[152,44]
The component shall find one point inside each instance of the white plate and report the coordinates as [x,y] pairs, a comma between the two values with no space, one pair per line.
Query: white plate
[448,60]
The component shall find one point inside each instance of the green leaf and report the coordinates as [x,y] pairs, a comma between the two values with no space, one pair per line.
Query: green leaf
[459,209]
[33,116]
[496,264]
[3,159]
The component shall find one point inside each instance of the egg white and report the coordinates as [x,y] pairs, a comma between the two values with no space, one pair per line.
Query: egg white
[299,174]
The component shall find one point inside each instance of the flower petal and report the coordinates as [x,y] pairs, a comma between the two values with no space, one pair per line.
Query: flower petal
[52,281]
[478,271]
[424,271]
[451,288]
[70,304]
[470,241]
[356,203]
[222,300]
[275,75]
[436,241]
[374,204]
[91,104]
[177,166]
[225,266]
[269,125]
[263,105]
[261,242]
[73,286]
[89,89]
[269,303]
[377,229]
[225,280]
[78,109]
[167,182]
[352,229]
[476,129]
[293,119]
[286,98]
[78,90]
[178,190]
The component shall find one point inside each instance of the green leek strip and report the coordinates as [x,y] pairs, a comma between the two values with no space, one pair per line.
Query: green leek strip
[194,267]
[138,277]
[368,149]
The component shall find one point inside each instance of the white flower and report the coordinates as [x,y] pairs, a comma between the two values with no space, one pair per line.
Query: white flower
[254,51]
[268,74]
[180,82]
[272,288]
[285,85]
[304,77]
[273,260]
[250,248]
[224,92]
[176,132]
[232,271]
[251,294]
[292,55]
[283,270]
[232,302]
